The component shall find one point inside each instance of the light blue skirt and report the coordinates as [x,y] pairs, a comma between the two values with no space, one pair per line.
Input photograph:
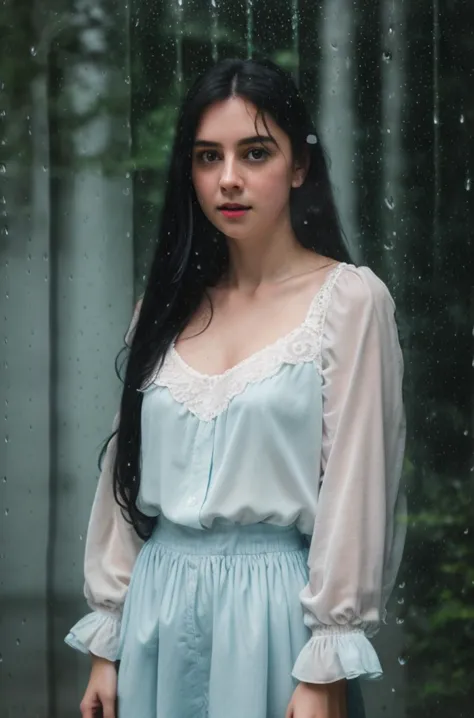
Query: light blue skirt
[212,624]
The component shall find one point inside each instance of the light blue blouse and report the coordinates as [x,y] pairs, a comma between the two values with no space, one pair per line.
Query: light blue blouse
[309,431]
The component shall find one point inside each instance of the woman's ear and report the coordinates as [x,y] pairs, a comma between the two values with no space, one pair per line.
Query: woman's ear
[300,171]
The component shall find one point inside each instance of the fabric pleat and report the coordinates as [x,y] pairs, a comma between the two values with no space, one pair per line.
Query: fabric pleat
[212,624]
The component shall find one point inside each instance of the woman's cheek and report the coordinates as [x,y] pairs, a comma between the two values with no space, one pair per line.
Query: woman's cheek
[203,191]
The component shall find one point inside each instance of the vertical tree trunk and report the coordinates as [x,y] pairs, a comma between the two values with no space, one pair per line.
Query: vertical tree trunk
[337,111]
[25,381]
[92,237]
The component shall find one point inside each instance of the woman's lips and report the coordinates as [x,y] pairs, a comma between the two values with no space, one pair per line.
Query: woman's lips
[233,213]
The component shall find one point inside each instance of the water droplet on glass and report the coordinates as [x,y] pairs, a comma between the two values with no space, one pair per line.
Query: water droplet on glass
[127,80]
[466,532]
[17,641]
[7,511]
[334,45]
[461,119]
[401,585]
[435,119]
[401,601]
[468,184]
[311,139]
[126,191]
[387,56]
[402,660]
[3,168]
[400,621]
[390,203]
[33,51]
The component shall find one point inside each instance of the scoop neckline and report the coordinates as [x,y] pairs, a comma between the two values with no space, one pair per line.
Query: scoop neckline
[280,340]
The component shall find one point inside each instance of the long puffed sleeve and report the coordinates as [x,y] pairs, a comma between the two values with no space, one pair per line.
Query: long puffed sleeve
[112,546]
[360,523]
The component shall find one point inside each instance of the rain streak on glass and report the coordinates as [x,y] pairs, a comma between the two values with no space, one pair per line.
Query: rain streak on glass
[215,30]
[249,28]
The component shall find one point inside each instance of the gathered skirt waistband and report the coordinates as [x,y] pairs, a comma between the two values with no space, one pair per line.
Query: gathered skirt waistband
[225,538]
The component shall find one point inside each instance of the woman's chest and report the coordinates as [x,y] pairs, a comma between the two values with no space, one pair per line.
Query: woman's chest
[217,341]
[275,388]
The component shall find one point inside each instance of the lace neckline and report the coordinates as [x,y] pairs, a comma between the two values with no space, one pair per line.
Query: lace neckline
[307,322]
[208,395]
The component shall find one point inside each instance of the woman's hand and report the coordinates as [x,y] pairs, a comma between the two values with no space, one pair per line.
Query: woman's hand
[101,692]
[318,700]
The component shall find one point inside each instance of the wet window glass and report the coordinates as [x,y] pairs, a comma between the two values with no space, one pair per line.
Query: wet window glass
[89,93]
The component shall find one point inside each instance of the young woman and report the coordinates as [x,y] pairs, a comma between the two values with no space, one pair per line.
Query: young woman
[248,522]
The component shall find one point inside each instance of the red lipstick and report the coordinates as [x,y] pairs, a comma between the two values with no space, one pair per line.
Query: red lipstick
[232,211]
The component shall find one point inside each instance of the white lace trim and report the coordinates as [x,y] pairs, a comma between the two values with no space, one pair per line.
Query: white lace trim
[208,395]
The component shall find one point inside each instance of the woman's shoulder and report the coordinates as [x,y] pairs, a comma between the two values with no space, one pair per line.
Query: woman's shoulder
[360,302]
[359,286]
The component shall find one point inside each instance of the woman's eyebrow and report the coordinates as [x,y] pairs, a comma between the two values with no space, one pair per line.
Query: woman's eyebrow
[245,141]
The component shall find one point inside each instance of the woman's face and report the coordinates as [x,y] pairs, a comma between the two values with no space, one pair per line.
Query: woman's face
[230,168]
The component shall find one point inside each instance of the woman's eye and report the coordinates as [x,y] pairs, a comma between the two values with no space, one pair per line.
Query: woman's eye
[207,156]
[258,153]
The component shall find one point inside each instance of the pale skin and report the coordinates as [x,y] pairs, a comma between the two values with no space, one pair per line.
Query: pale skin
[267,291]
[101,691]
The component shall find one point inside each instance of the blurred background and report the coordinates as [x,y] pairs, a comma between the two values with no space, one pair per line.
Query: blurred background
[88,96]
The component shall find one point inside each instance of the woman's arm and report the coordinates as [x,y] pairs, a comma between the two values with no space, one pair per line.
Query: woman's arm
[360,524]
[112,546]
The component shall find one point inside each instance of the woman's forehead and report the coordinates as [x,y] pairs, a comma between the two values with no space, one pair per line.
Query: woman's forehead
[229,121]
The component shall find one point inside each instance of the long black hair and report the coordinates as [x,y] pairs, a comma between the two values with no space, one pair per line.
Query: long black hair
[192,255]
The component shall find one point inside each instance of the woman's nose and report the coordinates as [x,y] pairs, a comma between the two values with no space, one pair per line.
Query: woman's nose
[230,178]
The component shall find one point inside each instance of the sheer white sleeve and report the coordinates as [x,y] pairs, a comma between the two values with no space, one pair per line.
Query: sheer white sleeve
[360,524]
[112,546]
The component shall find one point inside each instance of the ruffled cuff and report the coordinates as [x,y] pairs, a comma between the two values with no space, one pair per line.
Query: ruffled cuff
[334,653]
[97,633]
